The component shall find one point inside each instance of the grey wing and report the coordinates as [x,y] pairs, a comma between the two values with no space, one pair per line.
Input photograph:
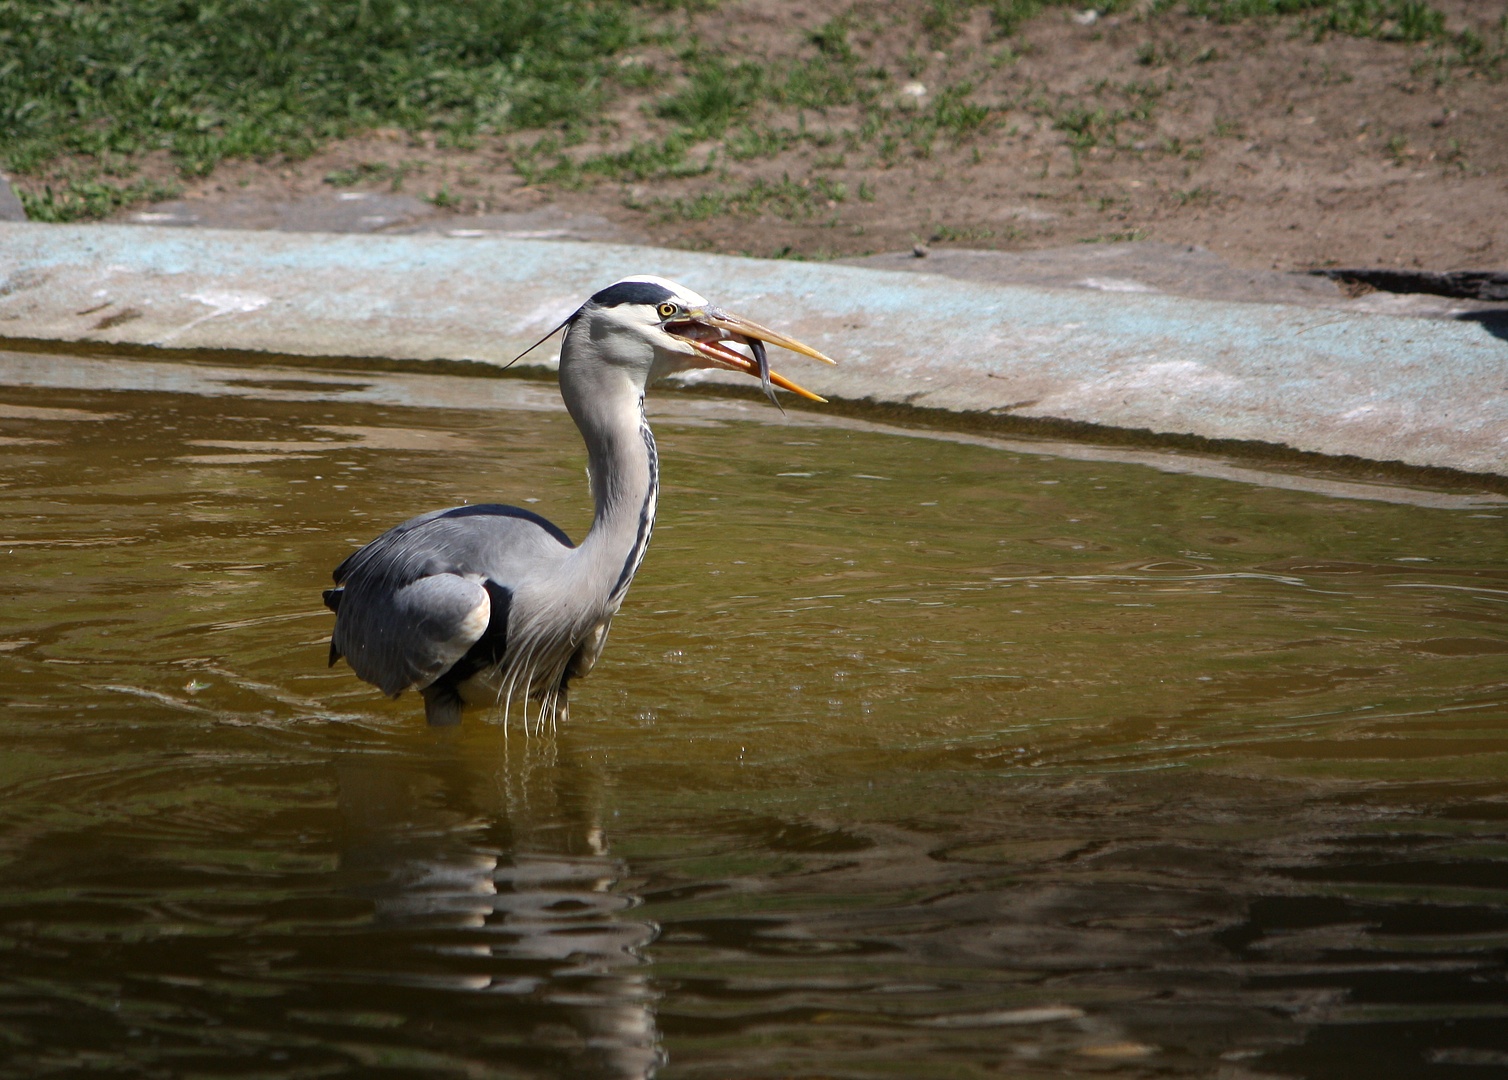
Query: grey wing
[409,636]
[416,601]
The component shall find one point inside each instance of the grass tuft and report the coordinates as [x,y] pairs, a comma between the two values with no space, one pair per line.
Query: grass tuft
[86,200]
[1390,20]
[786,199]
[717,94]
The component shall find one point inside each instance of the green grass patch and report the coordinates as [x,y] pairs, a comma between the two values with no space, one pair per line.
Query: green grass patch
[1087,126]
[1197,196]
[645,160]
[1486,53]
[785,198]
[1391,20]
[211,79]
[717,93]
[443,198]
[371,172]
[1008,16]
[1089,123]
[831,78]
[1126,236]
[547,162]
[959,117]
[894,132]
[759,141]
[86,200]
[948,234]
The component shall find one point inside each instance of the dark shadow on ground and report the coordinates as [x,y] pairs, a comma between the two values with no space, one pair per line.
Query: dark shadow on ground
[1494,322]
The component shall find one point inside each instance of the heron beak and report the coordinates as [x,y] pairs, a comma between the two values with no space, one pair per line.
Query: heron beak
[708,329]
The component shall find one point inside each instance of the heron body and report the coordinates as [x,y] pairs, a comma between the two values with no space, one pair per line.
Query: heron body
[482,604]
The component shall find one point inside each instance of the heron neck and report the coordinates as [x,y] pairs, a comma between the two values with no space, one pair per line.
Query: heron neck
[625,476]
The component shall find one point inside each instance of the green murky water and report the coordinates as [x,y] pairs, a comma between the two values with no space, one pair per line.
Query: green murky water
[908,757]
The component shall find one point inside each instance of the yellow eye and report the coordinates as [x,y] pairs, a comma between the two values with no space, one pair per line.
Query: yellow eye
[667,309]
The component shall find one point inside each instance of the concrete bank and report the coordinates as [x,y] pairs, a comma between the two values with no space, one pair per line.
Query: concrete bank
[1423,392]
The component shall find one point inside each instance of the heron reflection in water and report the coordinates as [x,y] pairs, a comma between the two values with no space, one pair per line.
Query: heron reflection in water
[496,909]
[477,605]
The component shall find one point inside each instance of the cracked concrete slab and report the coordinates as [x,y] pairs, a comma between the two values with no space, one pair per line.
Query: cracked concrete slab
[1427,392]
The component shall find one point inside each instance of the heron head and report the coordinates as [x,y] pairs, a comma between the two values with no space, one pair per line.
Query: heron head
[663,327]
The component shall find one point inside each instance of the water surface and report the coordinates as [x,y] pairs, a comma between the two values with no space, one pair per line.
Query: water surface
[909,756]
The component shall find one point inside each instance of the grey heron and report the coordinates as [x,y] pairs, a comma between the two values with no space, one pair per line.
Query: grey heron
[479,604]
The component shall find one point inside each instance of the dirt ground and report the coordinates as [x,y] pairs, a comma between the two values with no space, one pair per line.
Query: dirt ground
[1256,140]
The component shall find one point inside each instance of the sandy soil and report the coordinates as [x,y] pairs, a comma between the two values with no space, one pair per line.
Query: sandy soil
[1255,140]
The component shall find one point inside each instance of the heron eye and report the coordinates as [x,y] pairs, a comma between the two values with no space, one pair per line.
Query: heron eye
[667,309]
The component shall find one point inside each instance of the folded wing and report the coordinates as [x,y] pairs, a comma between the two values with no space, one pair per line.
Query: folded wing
[433,592]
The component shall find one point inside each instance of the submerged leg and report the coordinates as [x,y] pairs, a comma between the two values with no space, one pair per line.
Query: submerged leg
[442,705]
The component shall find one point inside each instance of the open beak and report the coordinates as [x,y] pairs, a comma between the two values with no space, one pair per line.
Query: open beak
[708,329]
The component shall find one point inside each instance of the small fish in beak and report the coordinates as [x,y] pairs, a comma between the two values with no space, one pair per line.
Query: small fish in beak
[706,330]
[762,359]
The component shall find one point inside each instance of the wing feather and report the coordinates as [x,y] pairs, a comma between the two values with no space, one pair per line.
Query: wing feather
[422,629]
